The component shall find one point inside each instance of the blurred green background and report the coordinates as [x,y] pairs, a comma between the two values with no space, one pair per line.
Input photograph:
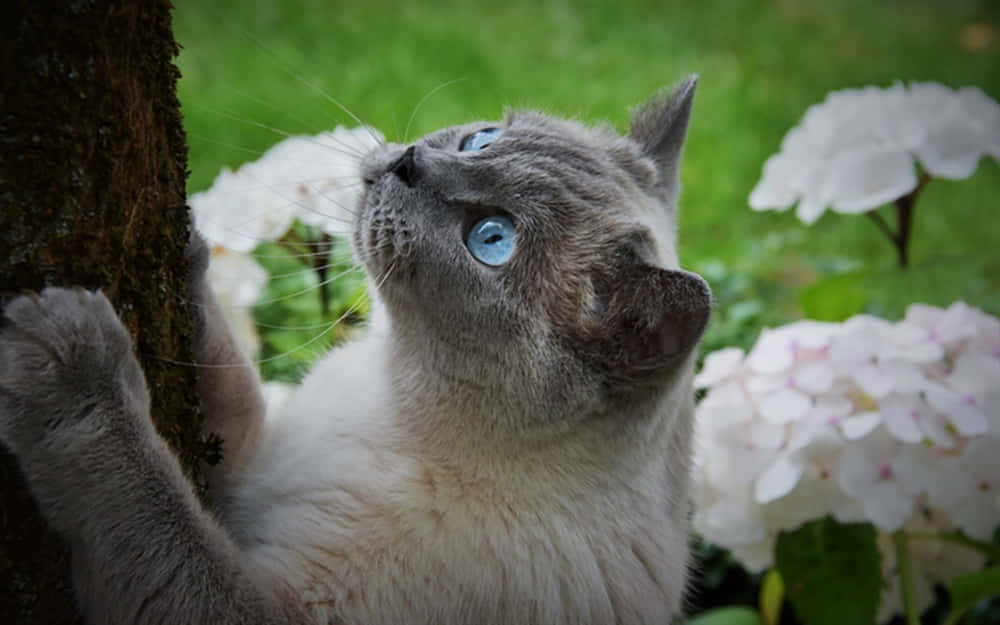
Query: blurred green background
[247,64]
[761,65]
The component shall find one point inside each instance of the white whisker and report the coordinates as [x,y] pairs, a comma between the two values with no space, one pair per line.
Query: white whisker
[288,296]
[406,132]
[284,133]
[287,67]
[290,255]
[290,274]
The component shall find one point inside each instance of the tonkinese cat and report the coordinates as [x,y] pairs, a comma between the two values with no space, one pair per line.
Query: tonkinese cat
[508,443]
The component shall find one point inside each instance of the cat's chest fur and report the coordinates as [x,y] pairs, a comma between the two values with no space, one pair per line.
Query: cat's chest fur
[342,508]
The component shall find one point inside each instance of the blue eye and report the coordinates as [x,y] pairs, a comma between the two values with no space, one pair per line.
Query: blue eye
[492,240]
[479,140]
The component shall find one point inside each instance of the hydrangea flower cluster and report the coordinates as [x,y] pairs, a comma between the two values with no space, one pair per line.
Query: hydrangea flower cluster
[855,151]
[315,179]
[893,423]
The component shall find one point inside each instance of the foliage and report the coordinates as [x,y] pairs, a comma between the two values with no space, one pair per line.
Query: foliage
[831,571]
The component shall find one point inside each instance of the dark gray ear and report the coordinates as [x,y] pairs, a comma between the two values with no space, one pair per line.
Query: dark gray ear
[648,317]
[660,125]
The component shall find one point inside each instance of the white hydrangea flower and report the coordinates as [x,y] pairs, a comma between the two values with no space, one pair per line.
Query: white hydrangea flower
[314,178]
[855,151]
[865,421]
[237,281]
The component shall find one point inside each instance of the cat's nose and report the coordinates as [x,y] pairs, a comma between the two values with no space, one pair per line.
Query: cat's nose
[405,167]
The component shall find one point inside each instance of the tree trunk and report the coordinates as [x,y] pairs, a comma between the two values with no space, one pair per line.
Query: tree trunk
[92,174]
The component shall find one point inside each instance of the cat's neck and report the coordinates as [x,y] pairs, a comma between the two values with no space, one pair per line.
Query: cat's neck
[435,415]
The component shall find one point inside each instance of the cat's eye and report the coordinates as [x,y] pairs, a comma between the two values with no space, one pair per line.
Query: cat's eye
[491,240]
[479,140]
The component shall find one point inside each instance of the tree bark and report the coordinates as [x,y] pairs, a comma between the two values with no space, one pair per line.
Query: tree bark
[92,174]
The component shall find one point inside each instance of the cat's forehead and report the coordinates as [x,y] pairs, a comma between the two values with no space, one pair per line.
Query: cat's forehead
[529,138]
[538,128]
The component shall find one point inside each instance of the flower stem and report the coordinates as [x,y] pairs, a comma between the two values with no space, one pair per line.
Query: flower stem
[904,218]
[320,259]
[905,570]
[882,224]
[904,221]
[990,551]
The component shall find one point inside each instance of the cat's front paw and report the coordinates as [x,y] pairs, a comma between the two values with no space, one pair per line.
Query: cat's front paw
[66,369]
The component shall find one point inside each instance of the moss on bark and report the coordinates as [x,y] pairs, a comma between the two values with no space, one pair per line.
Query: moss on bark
[92,173]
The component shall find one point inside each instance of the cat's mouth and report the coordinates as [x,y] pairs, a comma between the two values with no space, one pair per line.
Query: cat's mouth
[383,236]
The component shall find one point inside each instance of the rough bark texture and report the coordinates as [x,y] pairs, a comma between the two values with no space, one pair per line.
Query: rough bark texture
[92,173]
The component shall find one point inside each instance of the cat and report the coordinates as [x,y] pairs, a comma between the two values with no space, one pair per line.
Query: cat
[509,442]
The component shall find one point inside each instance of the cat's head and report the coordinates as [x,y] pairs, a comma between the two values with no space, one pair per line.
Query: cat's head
[528,266]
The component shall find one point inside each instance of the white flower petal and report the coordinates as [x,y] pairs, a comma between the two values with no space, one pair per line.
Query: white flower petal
[764,384]
[755,557]
[737,520]
[773,353]
[981,458]
[902,416]
[860,425]
[976,516]
[937,429]
[784,406]
[984,112]
[865,178]
[956,324]
[777,480]
[810,208]
[887,506]
[873,380]
[923,105]
[952,149]
[772,191]
[719,365]
[963,412]
[814,376]
[906,377]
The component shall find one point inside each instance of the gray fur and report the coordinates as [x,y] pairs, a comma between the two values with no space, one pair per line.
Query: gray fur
[511,445]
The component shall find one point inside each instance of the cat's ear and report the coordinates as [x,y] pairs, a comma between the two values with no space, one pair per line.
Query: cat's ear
[660,125]
[647,317]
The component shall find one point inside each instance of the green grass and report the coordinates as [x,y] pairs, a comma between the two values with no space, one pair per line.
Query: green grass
[761,65]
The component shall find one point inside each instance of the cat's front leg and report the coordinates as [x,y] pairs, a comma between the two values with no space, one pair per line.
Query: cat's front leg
[75,410]
[228,383]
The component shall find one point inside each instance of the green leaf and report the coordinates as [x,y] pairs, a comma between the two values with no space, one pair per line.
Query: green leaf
[772,595]
[835,298]
[969,589]
[831,572]
[729,615]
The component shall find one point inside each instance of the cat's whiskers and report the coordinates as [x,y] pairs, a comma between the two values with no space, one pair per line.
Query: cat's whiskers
[287,296]
[283,133]
[288,68]
[289,274]
[234,146]
[325,327]
[350,311]
[285,112]
[346,256]
[427,96]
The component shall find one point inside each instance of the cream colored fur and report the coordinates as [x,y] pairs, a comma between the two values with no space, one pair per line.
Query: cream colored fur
[345,507]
